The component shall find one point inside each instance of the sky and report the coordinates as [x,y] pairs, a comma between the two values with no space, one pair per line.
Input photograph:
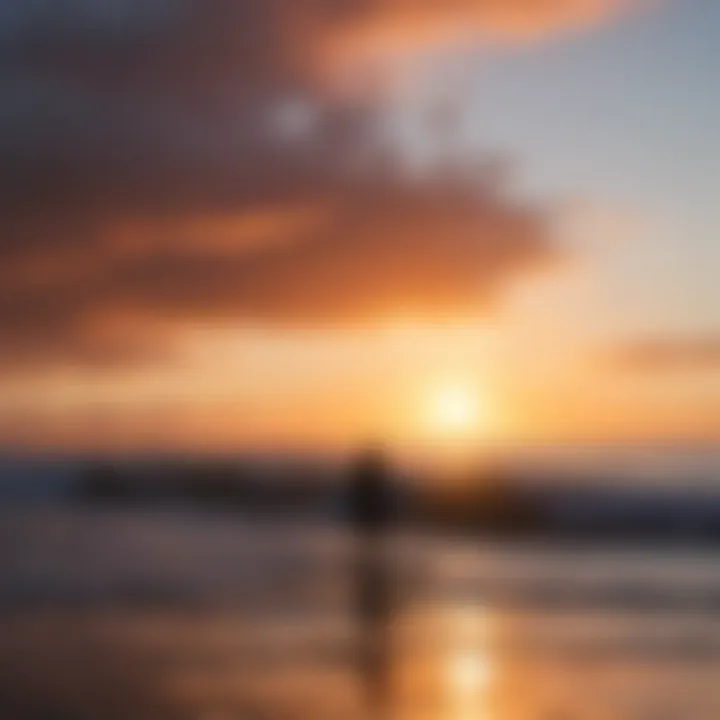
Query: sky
[305,224]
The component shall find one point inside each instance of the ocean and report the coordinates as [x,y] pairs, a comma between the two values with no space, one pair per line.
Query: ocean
[169,614]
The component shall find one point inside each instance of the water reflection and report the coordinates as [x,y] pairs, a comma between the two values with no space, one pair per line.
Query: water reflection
[375,610]
[443,664]
[453,664]
[444,661]
[282,642]
[468,666]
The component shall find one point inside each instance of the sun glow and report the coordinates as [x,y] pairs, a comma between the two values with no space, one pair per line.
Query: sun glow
[469,671]
[456,409]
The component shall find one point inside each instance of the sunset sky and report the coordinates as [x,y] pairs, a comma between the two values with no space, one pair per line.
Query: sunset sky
[303,223]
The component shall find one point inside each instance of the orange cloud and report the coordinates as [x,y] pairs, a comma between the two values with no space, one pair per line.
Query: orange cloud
[222,233]
[672,354]
[397,25]
[371,249]
[169,192]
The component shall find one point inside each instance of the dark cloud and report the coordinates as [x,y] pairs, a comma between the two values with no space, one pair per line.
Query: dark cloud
[100,94]
[141,140]
[187,39]
[367,251]
[673,354]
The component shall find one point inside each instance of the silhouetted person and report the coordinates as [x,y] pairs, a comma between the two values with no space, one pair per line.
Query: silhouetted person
[369,493]
[371,517]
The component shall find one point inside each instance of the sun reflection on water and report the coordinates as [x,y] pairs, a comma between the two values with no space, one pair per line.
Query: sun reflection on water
[467,665]
[447,664]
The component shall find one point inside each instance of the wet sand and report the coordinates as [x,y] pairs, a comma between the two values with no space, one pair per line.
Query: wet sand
[143,617]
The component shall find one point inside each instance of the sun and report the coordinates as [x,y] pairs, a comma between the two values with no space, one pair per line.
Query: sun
[455,409]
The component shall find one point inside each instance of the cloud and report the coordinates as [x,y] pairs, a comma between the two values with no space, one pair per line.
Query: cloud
[164,161]
[144,102]
[401,24]
[373,248]
[252,36]
[673,354]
